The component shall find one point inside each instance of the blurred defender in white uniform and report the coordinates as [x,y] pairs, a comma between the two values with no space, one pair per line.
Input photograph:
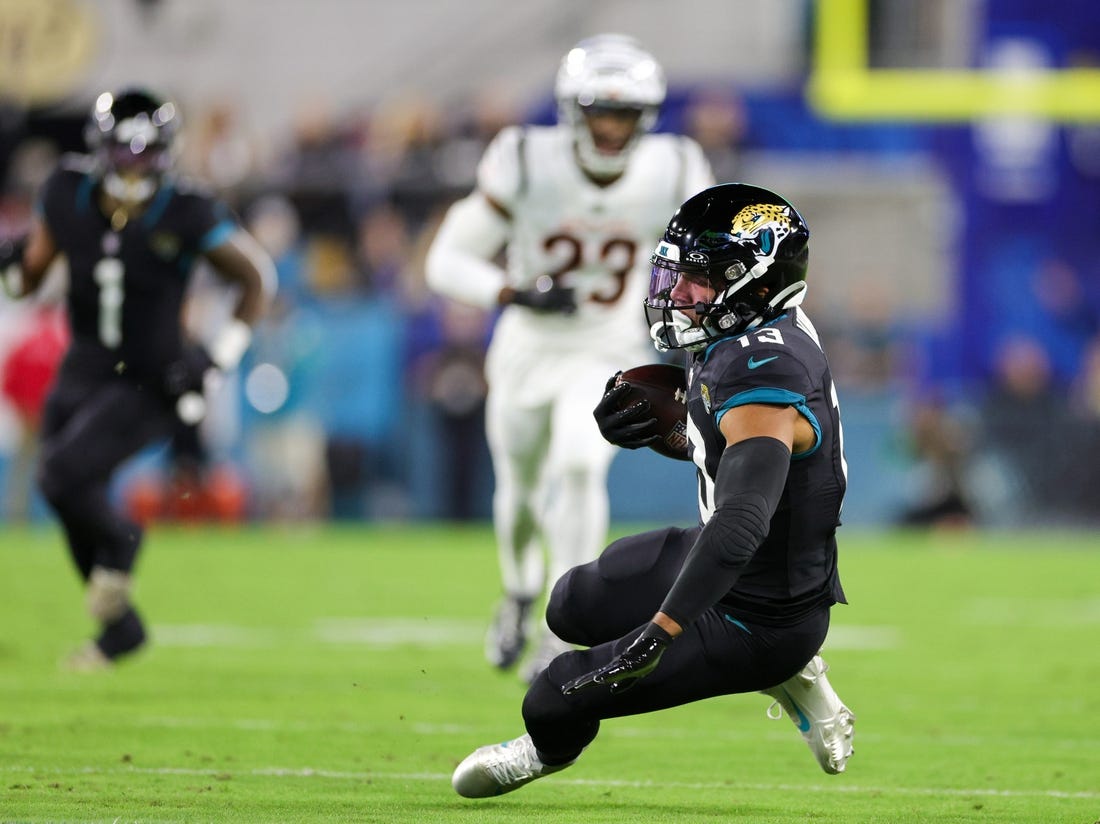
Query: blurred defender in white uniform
[577,207]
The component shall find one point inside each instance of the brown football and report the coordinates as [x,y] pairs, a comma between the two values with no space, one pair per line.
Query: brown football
[664,385]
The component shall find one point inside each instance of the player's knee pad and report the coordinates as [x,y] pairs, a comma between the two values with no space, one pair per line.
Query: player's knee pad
[543,704]
[551,718]
[558,613]
[108,595]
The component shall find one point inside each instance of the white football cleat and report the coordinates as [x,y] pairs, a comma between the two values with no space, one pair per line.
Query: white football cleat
[501,768]
[507,635]
[813,705]
[549,648]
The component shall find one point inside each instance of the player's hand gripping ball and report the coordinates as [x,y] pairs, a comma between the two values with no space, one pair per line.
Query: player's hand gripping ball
[647,406]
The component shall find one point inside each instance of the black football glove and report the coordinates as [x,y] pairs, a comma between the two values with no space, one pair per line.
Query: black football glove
[630,427]
[555,299]
[188,373]
[636,661]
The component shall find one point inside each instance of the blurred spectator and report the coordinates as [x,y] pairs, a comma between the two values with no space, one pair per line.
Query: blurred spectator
[33,333]
[319,170]
[27,372]
[287,459]
[284,446]
[384,250]
[12,124]
[1032,470]
[318,175]
[410,140]
[1067,320]
[31,363]
[940,445]
[715,117]
[274,223]
[469,135]
[864,340]
[450,378]
[31,163]
[220,151]
[1086,389]
[1086,406]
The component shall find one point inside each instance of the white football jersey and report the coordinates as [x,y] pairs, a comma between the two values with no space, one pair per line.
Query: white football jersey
[595,239]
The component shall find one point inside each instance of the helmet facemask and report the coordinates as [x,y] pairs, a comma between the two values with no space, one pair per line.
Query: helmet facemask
[733,310]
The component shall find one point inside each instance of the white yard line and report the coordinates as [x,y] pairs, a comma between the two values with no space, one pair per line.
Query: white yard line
[384,633]
[725,786]
[1032,612]
[380,633]
[771,731]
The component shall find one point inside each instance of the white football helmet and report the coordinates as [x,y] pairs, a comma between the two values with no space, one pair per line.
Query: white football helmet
[614,71]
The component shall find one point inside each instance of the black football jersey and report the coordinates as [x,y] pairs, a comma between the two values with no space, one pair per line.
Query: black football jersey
[795,570]
[126,286]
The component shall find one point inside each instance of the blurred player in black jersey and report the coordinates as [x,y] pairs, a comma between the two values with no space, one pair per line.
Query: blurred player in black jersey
[131,233]
[741,602]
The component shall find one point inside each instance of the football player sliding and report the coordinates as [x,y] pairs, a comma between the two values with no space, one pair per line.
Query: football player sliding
[131,233]
[576,206]
[741,602]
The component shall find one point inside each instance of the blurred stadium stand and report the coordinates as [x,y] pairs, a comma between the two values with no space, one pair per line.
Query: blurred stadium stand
[955,273]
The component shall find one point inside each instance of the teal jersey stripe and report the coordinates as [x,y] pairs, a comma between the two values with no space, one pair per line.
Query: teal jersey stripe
[782,397]
[218,235]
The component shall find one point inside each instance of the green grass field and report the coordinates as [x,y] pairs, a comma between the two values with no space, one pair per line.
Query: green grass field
[337,675]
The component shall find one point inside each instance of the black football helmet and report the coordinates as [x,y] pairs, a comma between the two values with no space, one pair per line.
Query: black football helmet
[132,134]
[748,243]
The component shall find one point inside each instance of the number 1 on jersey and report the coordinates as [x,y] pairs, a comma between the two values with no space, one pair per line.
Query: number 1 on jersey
[108,276]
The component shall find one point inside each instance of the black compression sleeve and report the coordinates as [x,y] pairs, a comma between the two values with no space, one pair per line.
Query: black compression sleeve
[750,481]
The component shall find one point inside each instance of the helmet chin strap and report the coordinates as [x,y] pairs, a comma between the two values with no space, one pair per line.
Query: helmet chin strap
[678,333]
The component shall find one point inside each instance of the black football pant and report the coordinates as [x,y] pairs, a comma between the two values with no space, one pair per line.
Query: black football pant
[603,605]
[89,428]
